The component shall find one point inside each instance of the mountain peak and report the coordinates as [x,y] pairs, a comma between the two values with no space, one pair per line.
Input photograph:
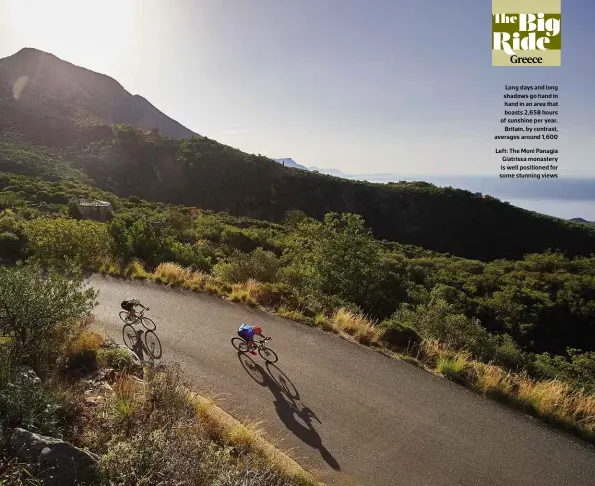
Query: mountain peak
[33,50]
[78,96]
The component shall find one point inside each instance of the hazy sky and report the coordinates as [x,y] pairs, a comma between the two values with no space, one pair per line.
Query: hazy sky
[357,85]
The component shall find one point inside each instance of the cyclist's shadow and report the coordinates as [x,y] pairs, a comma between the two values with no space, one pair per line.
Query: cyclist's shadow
[296,417]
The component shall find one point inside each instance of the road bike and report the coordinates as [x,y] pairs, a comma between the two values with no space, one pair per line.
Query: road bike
[138,340]
[141,342]
[265,352]
[147,323]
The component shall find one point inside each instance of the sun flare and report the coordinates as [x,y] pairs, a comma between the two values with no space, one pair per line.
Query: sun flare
[104,31]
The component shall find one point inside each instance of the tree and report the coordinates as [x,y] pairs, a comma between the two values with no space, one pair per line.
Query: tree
[74,211]
[146,241]
[34,302]
[12,238]
[190,151]
[340,257]
[294,217]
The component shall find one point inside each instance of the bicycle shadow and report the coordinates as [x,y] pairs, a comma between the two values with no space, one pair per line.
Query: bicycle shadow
[294,415]
[145,351]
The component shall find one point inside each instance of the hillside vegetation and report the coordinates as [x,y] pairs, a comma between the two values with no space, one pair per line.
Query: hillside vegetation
[535,314]
[201,172]
[58,120]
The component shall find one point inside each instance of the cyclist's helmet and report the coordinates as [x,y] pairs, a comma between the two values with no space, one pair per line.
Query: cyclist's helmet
[258,329]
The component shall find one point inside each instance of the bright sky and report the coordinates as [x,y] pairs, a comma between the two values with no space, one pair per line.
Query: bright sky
[357,85]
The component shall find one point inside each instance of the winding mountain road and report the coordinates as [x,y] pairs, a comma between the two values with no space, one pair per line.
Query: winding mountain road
[349,414]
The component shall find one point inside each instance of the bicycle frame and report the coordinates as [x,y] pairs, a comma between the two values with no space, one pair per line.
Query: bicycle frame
[138,316]
[266,353]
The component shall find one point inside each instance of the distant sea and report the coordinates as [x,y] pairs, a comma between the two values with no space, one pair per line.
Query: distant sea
[563,198]
[560,209]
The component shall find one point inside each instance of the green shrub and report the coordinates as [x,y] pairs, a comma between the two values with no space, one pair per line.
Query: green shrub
[8,360]
[259,265]
[208,228]
[453,367]
[294,217]
[196,257]
[53,240]
[577,368]
[41,309]
[42,196]
[115,358]
[507,353]
[438,320]
[273,295]
[13,240]
[238,239]
[74,211]
[31,407]
[399,335]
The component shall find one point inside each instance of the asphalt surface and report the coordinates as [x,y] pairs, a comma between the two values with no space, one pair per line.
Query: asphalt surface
[347,413]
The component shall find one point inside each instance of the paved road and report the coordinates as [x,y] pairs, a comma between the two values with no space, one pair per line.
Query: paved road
[347,413]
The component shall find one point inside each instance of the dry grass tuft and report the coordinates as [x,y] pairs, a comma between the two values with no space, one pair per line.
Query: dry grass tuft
[357,326]
[126,399]
[86,341]
[243,436]
[244,297]
[553,401]
[212,289]
[491,380]
[324,323]
[251,287]
[108,267]
[557,402]
[172,273]
[294,315]
[453,366]
[137,270]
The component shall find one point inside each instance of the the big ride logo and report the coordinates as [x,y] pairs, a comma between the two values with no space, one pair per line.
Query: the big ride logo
[526,33]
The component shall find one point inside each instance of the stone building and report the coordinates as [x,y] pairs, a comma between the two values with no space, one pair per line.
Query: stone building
[94,209]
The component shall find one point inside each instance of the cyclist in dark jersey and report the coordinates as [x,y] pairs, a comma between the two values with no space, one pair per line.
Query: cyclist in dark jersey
[129,305]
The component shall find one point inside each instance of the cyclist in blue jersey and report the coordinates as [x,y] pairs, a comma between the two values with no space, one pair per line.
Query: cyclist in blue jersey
[247,332]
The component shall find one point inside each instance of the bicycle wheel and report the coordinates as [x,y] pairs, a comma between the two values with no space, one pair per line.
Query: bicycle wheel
[125,317]
[148,323]
[268,354]
[153,345]
[239,344]
[129,337]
